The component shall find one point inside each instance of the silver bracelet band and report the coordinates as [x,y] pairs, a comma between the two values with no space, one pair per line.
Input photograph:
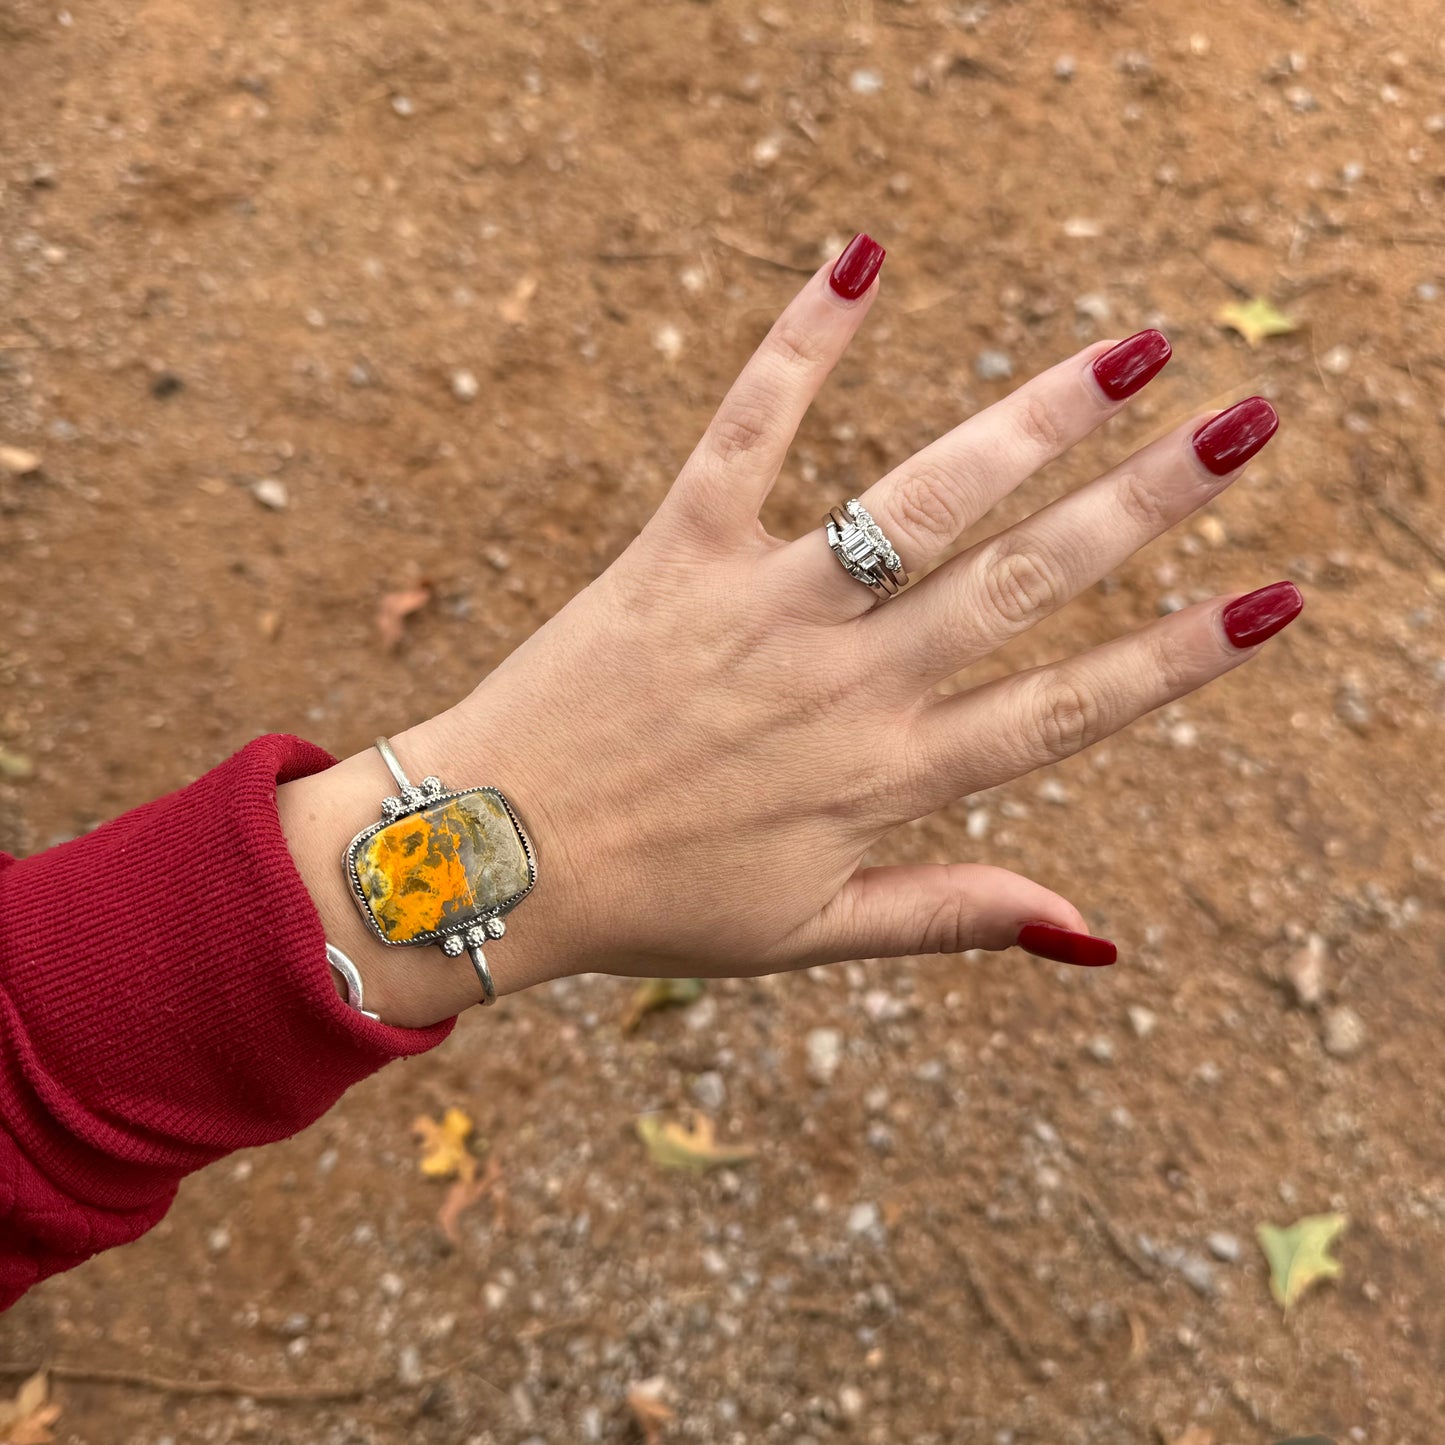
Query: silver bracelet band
[350,977]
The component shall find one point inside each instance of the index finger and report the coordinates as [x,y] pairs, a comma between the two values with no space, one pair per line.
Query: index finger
[725,481]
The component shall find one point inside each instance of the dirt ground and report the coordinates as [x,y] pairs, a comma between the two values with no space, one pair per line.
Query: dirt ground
[257,242]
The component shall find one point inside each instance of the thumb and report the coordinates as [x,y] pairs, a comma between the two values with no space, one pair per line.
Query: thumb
[912,908]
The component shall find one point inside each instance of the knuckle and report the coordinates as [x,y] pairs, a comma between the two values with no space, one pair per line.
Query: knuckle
[927,501]
[1021,586]
[1144,503]
[1067,718]
[1037,426]
[740,429]
[794,345]
[950,927]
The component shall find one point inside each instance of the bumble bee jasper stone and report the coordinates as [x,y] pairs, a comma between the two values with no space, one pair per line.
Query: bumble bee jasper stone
[443,866]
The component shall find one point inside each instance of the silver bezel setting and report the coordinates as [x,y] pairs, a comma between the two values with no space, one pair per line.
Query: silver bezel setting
[474,931]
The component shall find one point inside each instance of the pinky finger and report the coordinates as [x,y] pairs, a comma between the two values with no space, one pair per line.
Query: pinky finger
[1013,725]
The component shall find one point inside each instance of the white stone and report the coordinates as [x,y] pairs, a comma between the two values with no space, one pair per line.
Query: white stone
[825,1053]
[1305,972]
[271,493]
[1344,1032]
[465,386]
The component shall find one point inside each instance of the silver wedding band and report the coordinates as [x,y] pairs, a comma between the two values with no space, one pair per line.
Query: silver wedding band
[857,541]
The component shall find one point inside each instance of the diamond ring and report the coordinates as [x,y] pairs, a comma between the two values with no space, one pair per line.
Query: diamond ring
[859,544]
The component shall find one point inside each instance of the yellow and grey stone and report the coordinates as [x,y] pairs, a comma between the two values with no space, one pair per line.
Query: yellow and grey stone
[446,864]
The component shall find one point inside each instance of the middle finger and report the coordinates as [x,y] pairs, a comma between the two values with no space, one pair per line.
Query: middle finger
[928,501]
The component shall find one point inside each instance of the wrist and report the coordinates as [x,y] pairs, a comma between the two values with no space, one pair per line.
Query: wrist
[411,987]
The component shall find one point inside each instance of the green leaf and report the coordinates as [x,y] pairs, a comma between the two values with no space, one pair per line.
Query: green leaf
[680,1143]
[1300,1254]
[659,993]
[1255,320]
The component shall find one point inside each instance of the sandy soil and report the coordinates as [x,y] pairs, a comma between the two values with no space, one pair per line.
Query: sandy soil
[253,241]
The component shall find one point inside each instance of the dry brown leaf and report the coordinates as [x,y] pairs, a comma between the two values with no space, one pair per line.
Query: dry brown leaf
[395,608]
[444,1142]
[658,993]
[466,1192]
[649,1409]
[687,1142]
[26,1420]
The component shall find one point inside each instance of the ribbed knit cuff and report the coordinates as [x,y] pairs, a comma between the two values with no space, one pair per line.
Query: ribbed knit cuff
[164,991]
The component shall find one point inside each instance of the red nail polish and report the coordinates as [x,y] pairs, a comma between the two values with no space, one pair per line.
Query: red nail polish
[1257,616]
[1048,940]
[1231,438]
[854,270]
[1132,364]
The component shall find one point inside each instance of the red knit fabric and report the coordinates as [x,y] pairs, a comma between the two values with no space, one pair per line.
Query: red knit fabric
[164,999]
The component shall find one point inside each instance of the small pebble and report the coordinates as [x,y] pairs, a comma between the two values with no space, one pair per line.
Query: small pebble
[709,1091]
[825,1053]
[402,105]
[1142,1020]
[1065,68]
[1337,360]
[1344,1032]
[863,1218]
[865,82]
[1101,1050]
[1305,972]
[270,493]
[1224,1247]
[993,366]
[465,386]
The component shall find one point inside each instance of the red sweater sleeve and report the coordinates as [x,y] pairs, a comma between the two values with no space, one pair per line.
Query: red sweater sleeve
[164,999]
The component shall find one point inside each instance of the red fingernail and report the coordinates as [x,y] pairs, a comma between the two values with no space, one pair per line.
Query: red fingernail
[854,270]
[1257,616]
[1132,364]
[1230,439]
[1048,940]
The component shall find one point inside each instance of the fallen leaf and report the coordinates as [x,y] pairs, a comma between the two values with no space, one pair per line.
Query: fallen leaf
[674,1143]
[26,1420]
[514,308]
[1255,320]
[658,993]
[395,607]
[1299,1254]
[18,462]
[444,1141]
[15,765]
[649,1409]
[466,1192]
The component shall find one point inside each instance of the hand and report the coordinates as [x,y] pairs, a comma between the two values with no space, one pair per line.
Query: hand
[706,740]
